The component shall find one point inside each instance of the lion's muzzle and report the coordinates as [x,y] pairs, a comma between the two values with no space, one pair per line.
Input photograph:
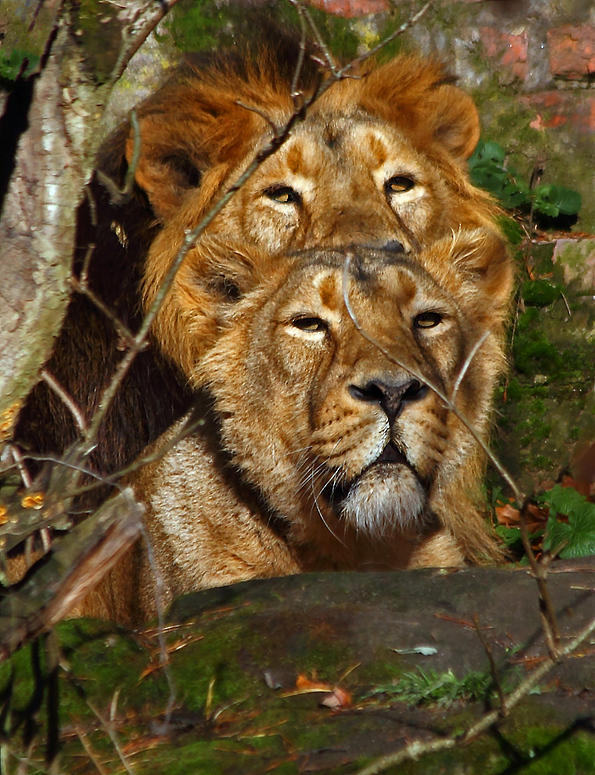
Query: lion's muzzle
[391,397]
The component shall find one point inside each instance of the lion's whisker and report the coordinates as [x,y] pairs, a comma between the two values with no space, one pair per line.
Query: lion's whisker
[324,522]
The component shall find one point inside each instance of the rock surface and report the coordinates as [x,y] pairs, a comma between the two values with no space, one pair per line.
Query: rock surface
[350,640]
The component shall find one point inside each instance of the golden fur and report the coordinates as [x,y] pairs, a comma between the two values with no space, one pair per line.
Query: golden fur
[319,444]
[379,159]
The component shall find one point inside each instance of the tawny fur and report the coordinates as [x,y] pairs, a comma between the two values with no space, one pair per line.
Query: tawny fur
[293,423]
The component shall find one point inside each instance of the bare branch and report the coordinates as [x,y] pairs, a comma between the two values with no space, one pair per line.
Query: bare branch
[108,728]
[139,28]
[19,459]
[344,71]
[493,669]
[76,564]
[329,61]
[465,367]
[66,399]
[121,328]
[539,571]
[300,62]
[120,196]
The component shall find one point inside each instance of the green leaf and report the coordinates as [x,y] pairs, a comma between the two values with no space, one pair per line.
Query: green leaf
[18,59]
[511,229]
[575,538]
[562,500]
[556,200]
[487,150]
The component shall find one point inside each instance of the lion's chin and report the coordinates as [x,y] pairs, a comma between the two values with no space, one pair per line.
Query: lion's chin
[384,499]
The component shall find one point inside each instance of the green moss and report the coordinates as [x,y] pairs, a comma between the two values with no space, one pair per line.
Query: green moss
[199,25]
[115,661]
[549,750]
[540,293]
[18,675]
[526,319]
[534,353]
[100,31]
[542,462]
[514,390]
[511,229]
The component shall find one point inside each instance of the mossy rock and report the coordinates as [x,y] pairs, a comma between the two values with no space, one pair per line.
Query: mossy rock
[235,653]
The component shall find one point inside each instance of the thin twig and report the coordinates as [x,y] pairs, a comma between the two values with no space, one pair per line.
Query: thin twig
[188,426]
[81,286]
[109,729]
[328,57]
[493,669]
[539,572]
[301,56]
[261,113]
[19,460]
[465,366]
[160,606]
[66,399]
[120,196]
[376,49]
[82,736]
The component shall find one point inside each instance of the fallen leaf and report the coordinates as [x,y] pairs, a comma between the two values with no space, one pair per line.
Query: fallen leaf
[507,514]
[425,651]
[338,699]
[305,684]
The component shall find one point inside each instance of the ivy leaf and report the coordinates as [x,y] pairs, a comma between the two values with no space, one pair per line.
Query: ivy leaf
[487,150]
[576,537]
[562,500]
[12,64]
[556,200]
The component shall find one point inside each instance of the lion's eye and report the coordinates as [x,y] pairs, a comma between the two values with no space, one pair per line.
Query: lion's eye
[311,325]
[398,184]
[284,195]
[427,320]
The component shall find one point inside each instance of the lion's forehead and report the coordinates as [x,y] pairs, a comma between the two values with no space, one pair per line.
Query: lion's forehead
[371,282]
[342,143]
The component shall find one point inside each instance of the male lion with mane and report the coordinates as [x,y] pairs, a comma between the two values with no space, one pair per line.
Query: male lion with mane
[325,441]
[379,160]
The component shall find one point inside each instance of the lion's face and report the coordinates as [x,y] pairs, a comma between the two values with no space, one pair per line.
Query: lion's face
[378,161]
[341,181]
[339,419]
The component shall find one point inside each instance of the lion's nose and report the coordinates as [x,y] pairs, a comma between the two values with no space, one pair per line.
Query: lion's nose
[392,398]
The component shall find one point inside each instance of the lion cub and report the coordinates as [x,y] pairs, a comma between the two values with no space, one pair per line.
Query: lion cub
[326,440]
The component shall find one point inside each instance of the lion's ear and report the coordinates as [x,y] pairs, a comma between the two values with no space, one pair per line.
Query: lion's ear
[481,257]
[455,120]
[168,167]
[414,94]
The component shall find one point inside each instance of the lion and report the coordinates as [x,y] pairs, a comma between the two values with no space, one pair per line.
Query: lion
[346,403]
[379,160]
